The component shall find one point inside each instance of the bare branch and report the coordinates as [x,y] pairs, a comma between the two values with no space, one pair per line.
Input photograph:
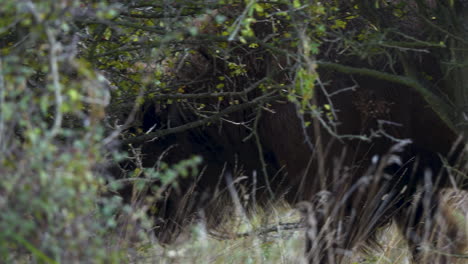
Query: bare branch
[294,226]
[191,125]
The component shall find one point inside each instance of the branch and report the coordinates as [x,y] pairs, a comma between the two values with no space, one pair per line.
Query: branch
[178,96]
[201,122]
[157,15]
[153,29]
[197,40]
[263,231]
[275,228]
[54,65]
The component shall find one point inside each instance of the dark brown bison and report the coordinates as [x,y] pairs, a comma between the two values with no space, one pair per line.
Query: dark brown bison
[370,152]
[382,159]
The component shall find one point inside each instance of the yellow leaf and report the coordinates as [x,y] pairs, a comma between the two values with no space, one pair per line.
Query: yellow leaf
[74,95]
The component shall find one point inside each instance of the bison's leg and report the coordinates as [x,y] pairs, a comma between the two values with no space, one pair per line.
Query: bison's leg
[433,235]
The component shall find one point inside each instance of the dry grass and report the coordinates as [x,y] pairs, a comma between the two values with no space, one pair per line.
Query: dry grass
[234,242]
[264,245]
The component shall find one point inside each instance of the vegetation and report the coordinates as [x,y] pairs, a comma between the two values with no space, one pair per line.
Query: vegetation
[77,78]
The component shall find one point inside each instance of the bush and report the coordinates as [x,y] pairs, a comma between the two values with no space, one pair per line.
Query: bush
[51,141]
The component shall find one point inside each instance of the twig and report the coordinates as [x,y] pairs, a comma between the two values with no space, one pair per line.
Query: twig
[128,121]
[260,152]
[54,47]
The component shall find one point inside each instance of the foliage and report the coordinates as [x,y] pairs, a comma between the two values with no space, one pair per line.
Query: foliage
[51,107]
[53,140]
[303,33]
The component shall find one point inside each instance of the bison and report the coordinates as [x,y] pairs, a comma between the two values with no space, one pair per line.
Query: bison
[370,151]
[386,161]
